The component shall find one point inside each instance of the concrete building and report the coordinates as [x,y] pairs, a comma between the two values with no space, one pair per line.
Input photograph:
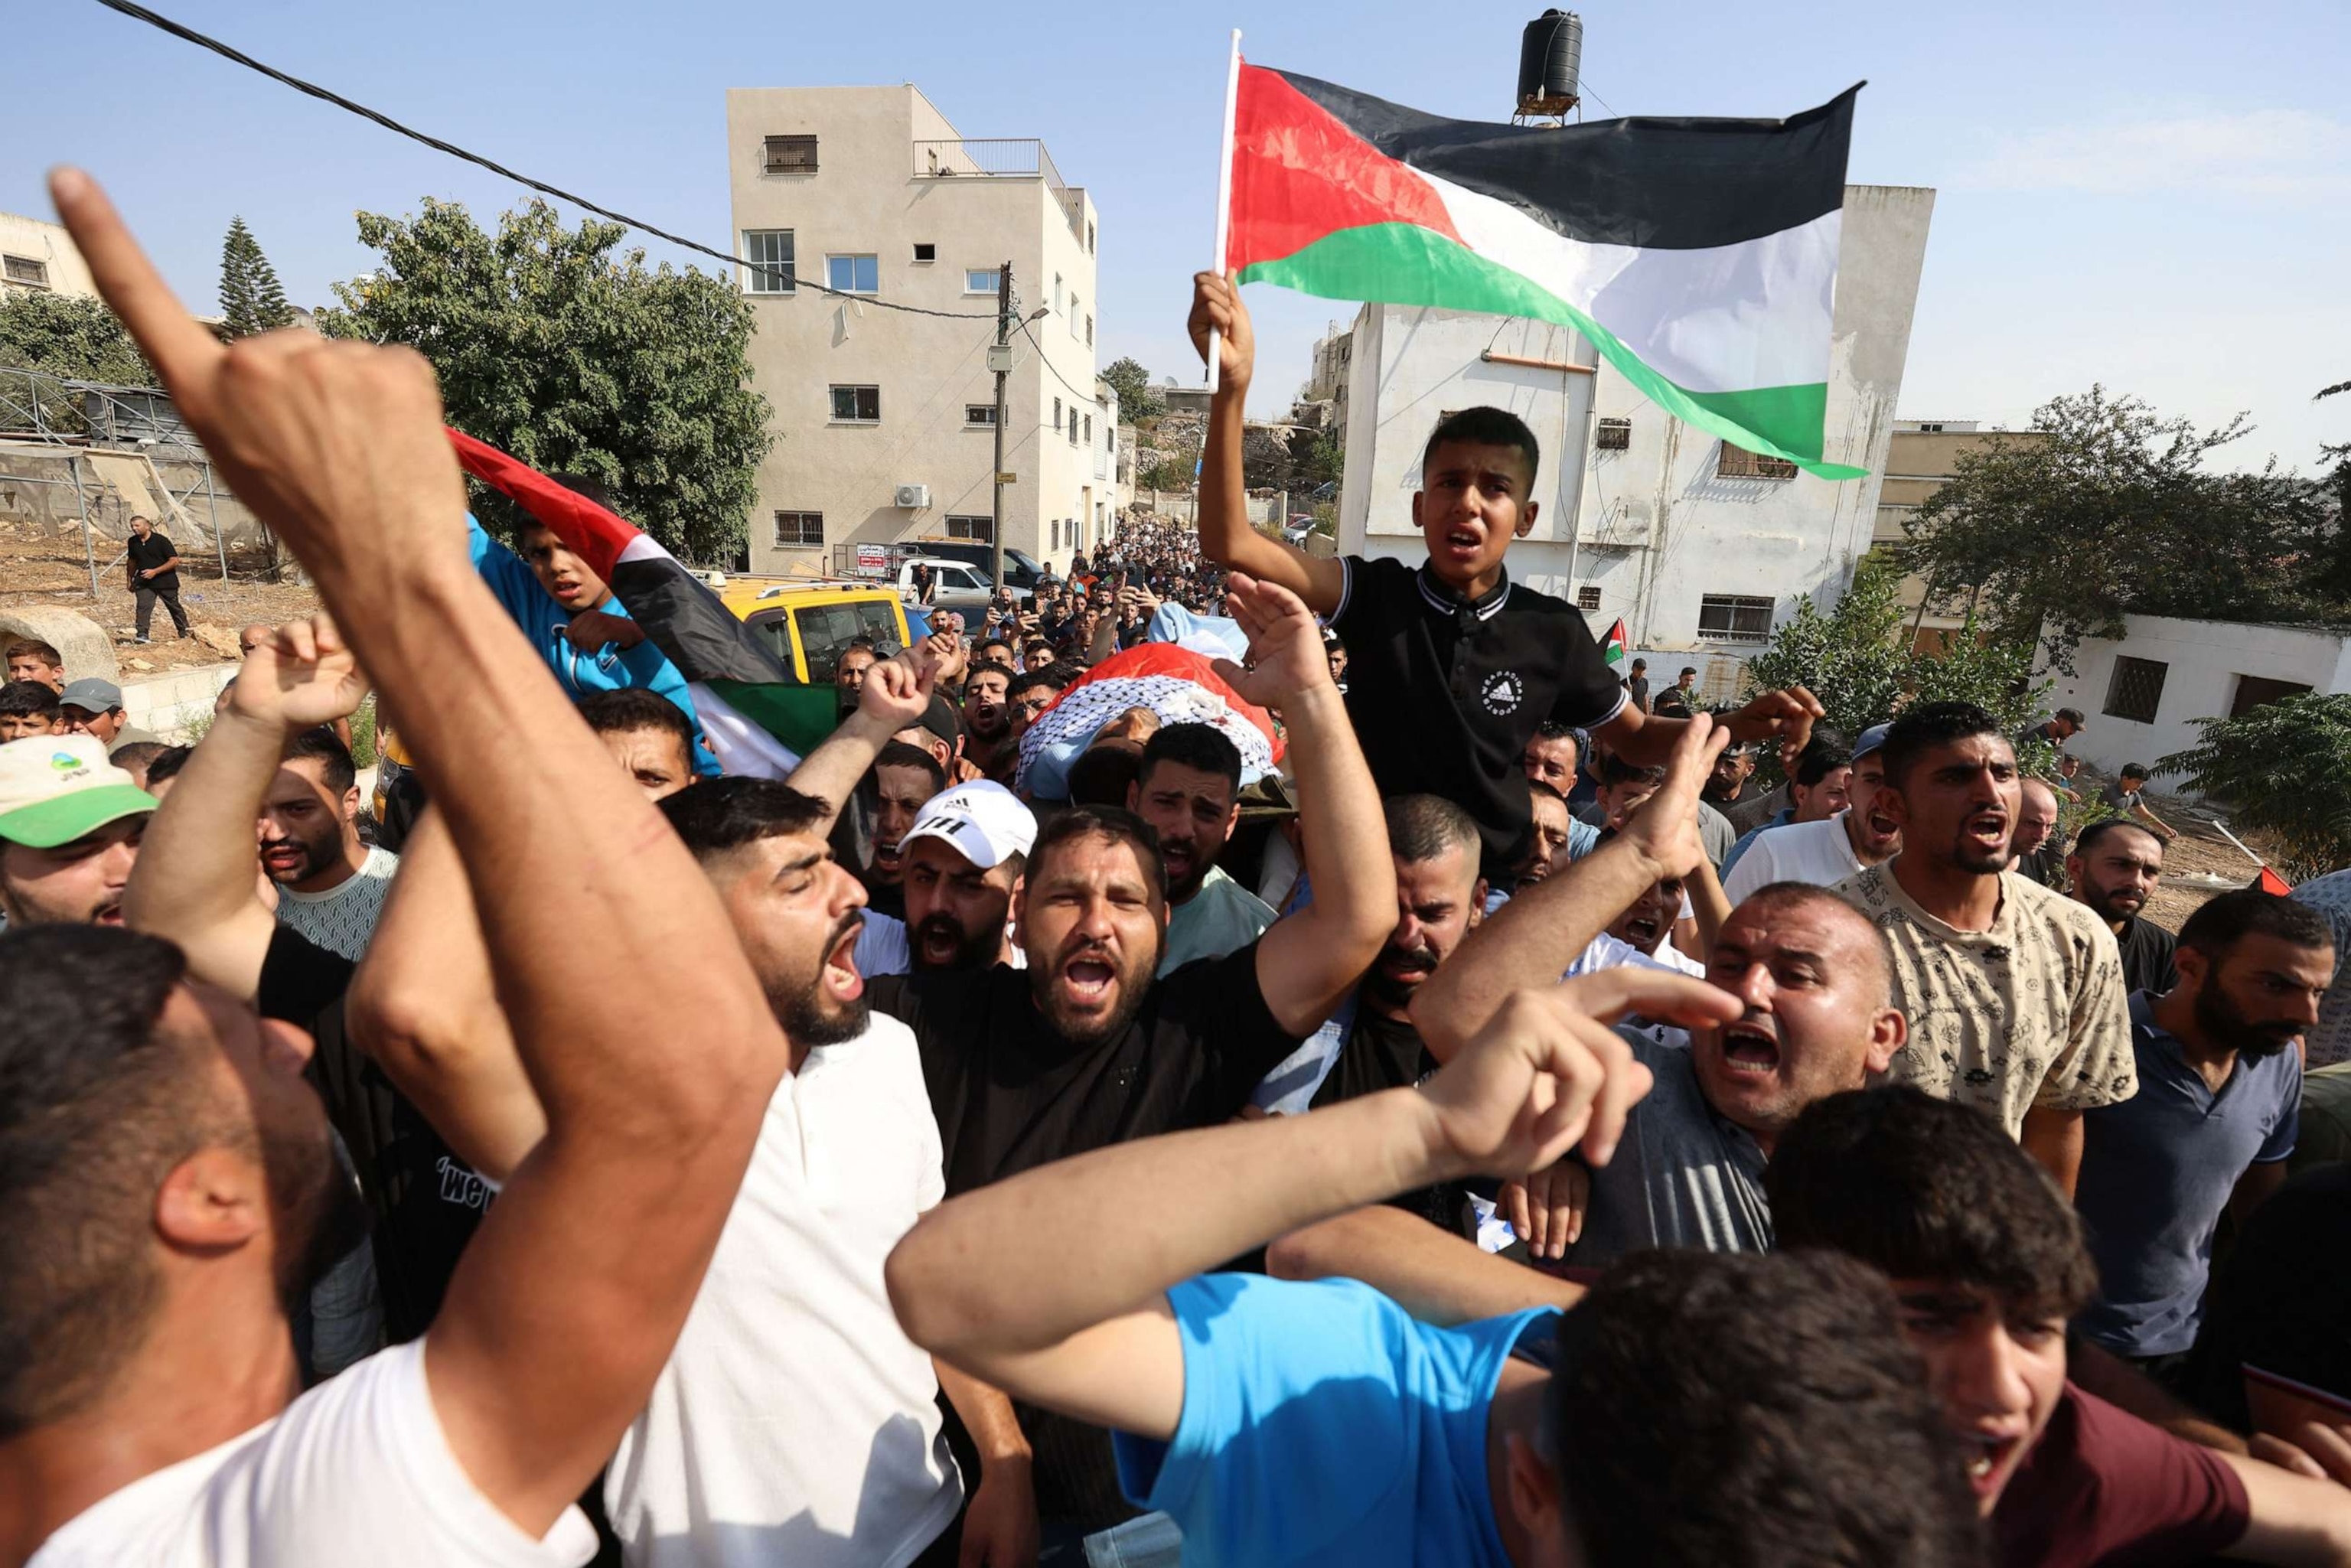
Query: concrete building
[1701,547]
[40,256]
[884,420]
[2142,694]
[1334,362]
[1919,461]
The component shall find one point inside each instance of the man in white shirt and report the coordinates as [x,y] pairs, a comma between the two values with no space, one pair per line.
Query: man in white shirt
[795,1422]
[164,1174]
[331,886]
[1825,852]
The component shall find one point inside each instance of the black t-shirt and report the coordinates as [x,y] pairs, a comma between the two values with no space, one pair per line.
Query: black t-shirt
[2147,956]
[1444,694]
[1384,1053]
[426,1201]
[2280,1304]
[1011,1094]
[154,550]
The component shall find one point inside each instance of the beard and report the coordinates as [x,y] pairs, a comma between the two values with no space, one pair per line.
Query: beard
[324,1215]
[810,1018]
[2102,903]
[2224,1023]
[1132,984]
[973,949]
[1391,990]
[315,854]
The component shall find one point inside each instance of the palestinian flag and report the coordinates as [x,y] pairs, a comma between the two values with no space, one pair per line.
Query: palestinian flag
[1699,256]
[757,717]
[1612,647]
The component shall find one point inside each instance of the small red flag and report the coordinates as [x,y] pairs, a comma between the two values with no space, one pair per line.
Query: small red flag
[2270,881]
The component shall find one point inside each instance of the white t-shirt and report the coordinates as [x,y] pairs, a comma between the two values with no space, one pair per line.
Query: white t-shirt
[342,919]
[355,1473]
[795,1422]
[1606,952]
[1817,852]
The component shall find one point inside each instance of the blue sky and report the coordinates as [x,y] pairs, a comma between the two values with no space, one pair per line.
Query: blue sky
[2153,195]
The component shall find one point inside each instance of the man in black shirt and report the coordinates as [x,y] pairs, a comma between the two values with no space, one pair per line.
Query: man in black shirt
[1451,666]
[2113,869]
[153,565]
[1085,1048]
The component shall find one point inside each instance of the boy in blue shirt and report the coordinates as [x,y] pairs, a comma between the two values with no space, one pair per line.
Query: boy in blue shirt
[1288,1423]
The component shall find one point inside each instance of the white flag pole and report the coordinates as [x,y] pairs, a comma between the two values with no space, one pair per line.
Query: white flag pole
[1224,192]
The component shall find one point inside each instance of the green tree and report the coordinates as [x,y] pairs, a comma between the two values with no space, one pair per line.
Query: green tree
[251,299]
[2284,769]
[1136,399]
[69,337]
[575,357]
[2121,501]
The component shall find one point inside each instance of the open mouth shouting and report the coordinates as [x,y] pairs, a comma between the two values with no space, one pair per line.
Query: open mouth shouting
[1643,931]
[1990,1457]
[1090,980]
[842,982]
[1987,833]
[1751,1047]
[1462,542]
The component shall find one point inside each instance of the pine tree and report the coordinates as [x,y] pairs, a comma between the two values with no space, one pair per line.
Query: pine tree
[251,298]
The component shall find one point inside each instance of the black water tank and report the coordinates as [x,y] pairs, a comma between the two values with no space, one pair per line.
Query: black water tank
[1551,51]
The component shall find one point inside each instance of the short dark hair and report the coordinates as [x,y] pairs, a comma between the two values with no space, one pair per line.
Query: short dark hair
[1818,760]
[2105,825]
[1552,729]
[898,754]
[1100,775]
[1422,827]
[135,754]
[2135,770]
[991,667]
[717,816]
[1922,728]
[1616,770]
[21,698]
[1537,787]
[1484,426]
[1688,670]
[168,763]
[96,1105]
[2072,715]
[625,710]
[36,648]
[1924,1189]
[1003,642]
[1115,823]
[336,770]
[1048,677]
[2222,921]
[1201,746]
[1640,663]
[1784,1381]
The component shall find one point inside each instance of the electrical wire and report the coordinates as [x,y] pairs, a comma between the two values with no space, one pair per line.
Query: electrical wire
[142,14]
[1586,89]
[1044,360]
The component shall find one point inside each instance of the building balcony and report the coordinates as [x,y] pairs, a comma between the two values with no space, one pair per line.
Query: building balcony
[1002,158]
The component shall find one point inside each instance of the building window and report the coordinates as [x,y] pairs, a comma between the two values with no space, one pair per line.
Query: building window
[1073,313]
[1057,291]
[768,253]
[800,531]
[853,274]
[1090,331]
[856,405]
[2136,689]
[1090,430]
[1735,617]
[1587,598]
[1073,427]
[1055,537]
[981,528]
[1089,239]
[27,271]
[791,154]
[980,414]
[979,279]
[1615,435]
[1057,414]
[1738,463]
[925,252]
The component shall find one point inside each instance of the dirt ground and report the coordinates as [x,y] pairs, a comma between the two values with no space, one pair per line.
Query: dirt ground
[2198,852]
[47,569]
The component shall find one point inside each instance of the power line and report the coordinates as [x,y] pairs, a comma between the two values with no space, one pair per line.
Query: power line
[1587,92]
[1045,360]
[142,14]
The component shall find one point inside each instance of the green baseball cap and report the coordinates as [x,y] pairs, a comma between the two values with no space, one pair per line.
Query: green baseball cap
[56,788]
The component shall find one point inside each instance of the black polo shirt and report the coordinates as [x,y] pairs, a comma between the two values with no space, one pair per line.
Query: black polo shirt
[1445,693]
[2146,950]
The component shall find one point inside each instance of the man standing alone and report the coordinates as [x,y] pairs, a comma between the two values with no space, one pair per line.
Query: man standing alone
[153,563]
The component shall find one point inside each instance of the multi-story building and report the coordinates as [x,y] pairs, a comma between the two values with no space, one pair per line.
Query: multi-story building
[884,418]
[1334,360]
[1700,547]
[1919,461]
[40,256]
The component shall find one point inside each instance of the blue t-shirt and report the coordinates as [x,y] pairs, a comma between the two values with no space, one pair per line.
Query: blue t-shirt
[2158,1169]
[1322,1424]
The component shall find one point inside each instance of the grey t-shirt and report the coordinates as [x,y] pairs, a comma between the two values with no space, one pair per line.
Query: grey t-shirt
[1683,1177]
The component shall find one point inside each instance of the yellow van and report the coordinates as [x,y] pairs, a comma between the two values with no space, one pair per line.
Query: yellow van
[807,622]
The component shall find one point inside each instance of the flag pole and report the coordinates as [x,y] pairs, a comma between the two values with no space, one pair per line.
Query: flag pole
[1225,192]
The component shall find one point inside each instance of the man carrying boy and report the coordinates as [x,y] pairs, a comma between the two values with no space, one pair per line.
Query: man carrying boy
[1452,667]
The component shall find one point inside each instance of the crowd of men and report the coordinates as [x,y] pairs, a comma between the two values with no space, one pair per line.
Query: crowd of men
[921,1158]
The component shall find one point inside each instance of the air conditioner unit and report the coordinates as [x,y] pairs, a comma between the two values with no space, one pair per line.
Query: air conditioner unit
[915,496]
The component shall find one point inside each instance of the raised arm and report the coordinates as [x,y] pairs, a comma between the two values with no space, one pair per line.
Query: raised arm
[897,693]
[196,881]
[602,930]
[1533,939]
[1438,1277]
[1225,536]
[981,1278]
[1307,961]
[1786,717]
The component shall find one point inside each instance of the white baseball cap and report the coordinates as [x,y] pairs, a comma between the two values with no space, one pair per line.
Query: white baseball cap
[56,788]
[983,821]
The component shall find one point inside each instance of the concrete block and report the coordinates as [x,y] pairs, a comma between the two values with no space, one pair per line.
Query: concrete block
[88,651]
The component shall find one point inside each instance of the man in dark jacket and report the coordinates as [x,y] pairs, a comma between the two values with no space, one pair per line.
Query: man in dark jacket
[153,563]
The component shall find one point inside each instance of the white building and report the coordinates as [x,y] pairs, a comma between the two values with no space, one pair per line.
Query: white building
[1701,547]
[2142,694]
[38,256]
[884,420]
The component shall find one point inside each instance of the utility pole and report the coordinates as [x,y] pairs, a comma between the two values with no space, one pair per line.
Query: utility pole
[999,360]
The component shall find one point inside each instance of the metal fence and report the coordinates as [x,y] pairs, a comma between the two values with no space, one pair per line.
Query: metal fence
[1001,158]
